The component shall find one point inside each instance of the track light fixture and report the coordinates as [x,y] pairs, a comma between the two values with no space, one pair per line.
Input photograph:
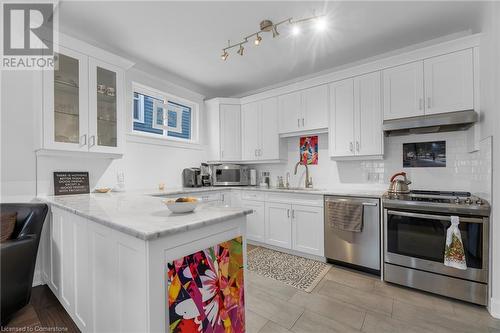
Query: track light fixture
[258,39]
[269,26]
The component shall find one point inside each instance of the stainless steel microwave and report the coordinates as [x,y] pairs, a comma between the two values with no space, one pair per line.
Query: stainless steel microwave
[229,175]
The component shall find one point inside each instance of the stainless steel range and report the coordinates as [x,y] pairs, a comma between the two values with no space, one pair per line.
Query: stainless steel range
[415,227]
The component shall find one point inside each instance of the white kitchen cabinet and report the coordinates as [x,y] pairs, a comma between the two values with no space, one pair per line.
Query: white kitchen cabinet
[230,132]
[449,82]
[105,108]
[289,112]
[65,102]
[256,221]
[341,130]
[315,108]
[356,117]
[435,85]
[305,110]
[270,140]
[259,124]
[83,103]
[308,229]
[250,131]
[67,269]
[368,115]
[224,129]
[404,91]
[278,225]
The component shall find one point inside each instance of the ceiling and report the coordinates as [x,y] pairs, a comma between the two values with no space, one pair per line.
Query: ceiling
[182,41]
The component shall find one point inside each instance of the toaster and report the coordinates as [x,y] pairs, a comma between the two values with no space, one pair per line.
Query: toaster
[191,177]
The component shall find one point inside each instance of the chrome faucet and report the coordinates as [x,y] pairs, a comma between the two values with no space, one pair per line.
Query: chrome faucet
[308,182]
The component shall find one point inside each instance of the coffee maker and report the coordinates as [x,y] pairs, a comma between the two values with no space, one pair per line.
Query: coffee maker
[191,177]
[205,174]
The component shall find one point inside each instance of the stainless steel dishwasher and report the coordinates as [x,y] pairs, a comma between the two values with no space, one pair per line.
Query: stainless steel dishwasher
[359,250]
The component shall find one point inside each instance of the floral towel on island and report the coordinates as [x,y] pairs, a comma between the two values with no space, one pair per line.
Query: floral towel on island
[454,254]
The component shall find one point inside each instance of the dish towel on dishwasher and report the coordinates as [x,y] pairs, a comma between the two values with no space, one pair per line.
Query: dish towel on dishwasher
[454,254]
[345,216]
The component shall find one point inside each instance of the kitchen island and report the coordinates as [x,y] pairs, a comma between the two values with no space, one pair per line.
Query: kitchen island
[122,262]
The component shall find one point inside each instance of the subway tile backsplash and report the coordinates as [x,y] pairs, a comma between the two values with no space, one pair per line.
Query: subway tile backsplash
[464,171]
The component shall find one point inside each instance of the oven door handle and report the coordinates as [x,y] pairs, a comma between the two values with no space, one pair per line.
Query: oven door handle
[434,217]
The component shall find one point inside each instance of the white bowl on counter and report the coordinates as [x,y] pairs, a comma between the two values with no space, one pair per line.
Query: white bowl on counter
[181,207]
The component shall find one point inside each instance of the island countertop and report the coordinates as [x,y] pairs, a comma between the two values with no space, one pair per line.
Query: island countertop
[140,215]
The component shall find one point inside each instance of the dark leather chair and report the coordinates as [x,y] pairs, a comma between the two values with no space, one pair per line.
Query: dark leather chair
[18,256]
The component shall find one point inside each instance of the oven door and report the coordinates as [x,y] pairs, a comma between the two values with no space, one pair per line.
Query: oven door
[417,240]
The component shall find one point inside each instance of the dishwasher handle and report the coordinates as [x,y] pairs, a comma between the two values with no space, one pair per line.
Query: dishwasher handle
[370,204]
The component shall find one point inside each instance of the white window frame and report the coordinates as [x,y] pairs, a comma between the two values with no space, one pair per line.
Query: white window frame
[140,103]
[165,97]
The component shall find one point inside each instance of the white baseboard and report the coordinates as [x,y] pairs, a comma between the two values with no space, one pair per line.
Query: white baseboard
[494,308]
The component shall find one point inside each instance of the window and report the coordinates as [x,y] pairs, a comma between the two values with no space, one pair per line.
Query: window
[162,115]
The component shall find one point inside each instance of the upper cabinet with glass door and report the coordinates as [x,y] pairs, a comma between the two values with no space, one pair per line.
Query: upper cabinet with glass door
[66,102]
[106,105]
[83,102]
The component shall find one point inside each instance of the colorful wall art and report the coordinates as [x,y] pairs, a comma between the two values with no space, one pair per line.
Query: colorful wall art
[309,149]
[206,291]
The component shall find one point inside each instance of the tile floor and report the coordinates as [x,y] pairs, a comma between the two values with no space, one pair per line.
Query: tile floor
[349,301]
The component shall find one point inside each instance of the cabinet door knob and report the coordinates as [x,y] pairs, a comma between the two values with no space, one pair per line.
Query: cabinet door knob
[288,213]
[357,146]
[298,122]
[351,146]
[302,122]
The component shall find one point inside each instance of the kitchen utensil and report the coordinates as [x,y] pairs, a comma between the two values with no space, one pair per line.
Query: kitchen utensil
[110,91]
[399,186]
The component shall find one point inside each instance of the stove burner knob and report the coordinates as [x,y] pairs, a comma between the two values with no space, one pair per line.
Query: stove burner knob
[457,200]
[479,202]
[468,201]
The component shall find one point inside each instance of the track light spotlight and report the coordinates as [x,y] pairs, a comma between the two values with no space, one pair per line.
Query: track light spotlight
[257,40]
[240,50]
[295,30]
[320,23]
[224,55]
[275,31]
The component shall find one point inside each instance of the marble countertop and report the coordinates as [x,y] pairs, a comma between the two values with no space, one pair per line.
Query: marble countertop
[141,215]
[375,191]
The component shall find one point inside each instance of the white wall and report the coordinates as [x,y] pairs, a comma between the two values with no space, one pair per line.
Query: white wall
[490,128]
[461,171]
[17,159]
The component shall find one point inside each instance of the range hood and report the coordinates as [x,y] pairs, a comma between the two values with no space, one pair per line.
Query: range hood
[444,122]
